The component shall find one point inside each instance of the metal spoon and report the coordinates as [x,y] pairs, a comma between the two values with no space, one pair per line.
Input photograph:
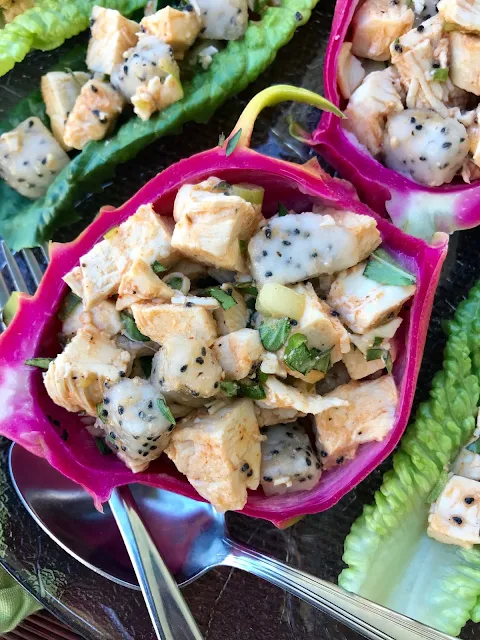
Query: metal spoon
[192,537]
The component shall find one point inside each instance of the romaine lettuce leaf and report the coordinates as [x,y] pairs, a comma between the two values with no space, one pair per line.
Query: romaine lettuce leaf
[390,558]
[233,68]
[48,24]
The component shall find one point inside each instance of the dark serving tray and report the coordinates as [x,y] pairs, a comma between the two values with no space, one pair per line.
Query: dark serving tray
[228,604]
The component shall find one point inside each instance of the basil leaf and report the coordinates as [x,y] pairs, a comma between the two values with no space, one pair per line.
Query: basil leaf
[262,377]
[252,391]
[131,328]
[232,143]
[40,363]
[382,268]
[230,388]
[222,296]
[165,411]
[274,333]
[158,267]
[243,245]
[146,365]
[387,359]
[247,288]
[69,303]
[377,341]
[441,75]
[282,210]
[438,488]
[103,447]
[102,417]
[300,358]
[474,446]
[373,354]
[175,283]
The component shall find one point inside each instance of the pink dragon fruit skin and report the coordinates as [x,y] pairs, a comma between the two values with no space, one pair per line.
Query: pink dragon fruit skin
[416,209]
[29,417]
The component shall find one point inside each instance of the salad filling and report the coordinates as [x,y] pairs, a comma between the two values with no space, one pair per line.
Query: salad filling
[252,351]
[409,76]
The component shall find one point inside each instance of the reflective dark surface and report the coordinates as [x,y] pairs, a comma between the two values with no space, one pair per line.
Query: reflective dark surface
[228,604]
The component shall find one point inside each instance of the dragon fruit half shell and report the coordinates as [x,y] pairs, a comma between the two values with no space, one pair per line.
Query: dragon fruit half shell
[29,417]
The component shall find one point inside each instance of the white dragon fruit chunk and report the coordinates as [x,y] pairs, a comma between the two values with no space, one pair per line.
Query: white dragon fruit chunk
[295,247]
[133,416]
[422,145]
[30,158]
[223,20]
[186,371]
[289,462]
[455,516]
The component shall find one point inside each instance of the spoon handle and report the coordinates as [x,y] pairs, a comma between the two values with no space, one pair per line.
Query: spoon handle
[171,617]
[368,618]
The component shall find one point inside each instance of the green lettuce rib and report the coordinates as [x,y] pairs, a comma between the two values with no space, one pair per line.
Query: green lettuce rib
[390,558]
[48,24]
[239,64]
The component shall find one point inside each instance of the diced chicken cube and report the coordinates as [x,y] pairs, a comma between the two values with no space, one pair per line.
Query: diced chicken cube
[364,303]
[369,415]
[210,224]
[112,35]
[135,426]
[467,463]
[289,463]
[59,92]
[145,235]
[376,98]
[295,247]
[159,321]
[464,13]
[235,318]
[350,72]
[74,280]
[238,352]
[376,24]
[30,158]
[178,29]
[272,365]
[465,61]
[282,396]
[76,378]
[385,332]
[185,369]
[219,453]
[104,318]
[226,20]
[93,115]
[156,95]
[268,417]
[195,301]
[455,517]
[320,324]
[141,283]
[359,367]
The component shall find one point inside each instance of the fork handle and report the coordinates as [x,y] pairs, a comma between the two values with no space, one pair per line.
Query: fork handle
[368,618]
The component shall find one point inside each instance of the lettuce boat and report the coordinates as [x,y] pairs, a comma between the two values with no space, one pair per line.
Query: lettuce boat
[415,208]
[27,223]
[30,418]
[435,583]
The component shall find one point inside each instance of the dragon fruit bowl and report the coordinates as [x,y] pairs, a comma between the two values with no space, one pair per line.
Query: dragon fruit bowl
[417,209]
[31,419]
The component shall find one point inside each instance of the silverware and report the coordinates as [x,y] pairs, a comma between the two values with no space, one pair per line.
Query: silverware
[191,535]
[171,618]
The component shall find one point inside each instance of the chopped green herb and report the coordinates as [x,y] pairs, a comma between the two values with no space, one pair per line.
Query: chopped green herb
[230,388]
[158,267]
[409,5]
[223,297]
[441,75]
[282,210]
[223,185]
[131,328]
[146,365]
[474,446]
[274,333]
[243,245]
[165,411]
[40,363]
[250,304]
[300,358]
[252,391]
[380,354]
[103,447]
[70,302]
[100,412]
[247,288]
[262,377]
[377,341]
[175,283]
[438,488]
[232,143]
[382,268]
[387,359]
